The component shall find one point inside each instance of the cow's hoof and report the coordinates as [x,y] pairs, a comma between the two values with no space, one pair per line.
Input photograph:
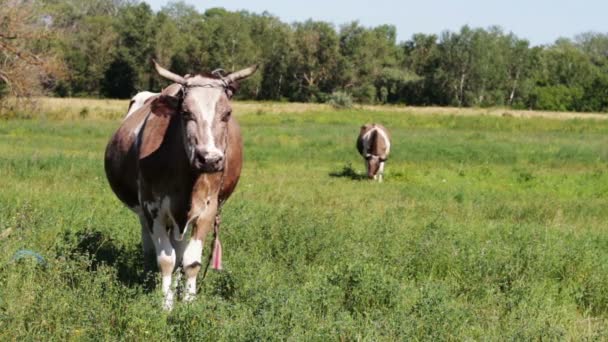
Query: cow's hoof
[189,297]
[168,304]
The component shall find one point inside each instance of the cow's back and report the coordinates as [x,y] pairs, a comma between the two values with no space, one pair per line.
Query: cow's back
[377,139]
[381,144]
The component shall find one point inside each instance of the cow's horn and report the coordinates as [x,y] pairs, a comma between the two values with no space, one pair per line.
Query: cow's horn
[168,74]
[239,75]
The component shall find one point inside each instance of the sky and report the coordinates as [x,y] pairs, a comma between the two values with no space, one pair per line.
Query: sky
[539,21]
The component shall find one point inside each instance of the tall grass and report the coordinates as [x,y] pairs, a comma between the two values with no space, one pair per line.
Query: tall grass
[486,228]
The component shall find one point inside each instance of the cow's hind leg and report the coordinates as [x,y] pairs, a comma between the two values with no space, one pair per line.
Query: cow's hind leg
[180,247]
[146,243]
[147,246]
[165,258]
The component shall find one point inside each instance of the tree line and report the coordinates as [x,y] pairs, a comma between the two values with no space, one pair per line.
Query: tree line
[103,48]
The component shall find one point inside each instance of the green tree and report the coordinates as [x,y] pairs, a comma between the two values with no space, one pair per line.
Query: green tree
[422,57]
[275,40]
[315,60]
[136,31]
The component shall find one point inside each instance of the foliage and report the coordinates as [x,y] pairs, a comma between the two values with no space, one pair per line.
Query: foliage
[306,61]
[27,57]
[341,100]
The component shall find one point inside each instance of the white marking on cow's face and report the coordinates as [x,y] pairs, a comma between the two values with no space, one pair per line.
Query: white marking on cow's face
[207,108]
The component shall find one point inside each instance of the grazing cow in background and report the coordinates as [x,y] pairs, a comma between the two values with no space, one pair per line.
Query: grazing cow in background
[174,161]
[374,144]
[138,101]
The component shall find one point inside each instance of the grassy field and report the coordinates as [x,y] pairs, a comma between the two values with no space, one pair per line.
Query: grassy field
[487,227]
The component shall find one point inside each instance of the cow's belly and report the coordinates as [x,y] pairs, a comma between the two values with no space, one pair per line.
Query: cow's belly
[120,166]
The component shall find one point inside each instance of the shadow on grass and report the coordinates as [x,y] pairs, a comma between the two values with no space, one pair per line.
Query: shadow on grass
[101,249]
[348,172]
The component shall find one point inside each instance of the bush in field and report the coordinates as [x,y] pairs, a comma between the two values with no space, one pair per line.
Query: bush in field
[341,100]
[558,98]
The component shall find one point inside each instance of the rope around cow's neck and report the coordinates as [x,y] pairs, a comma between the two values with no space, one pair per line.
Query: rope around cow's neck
[215,254]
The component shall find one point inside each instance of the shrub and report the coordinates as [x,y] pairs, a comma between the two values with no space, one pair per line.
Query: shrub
[341,100]
[557,98]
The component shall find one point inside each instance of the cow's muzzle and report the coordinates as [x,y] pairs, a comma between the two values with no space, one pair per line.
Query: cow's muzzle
[208,160]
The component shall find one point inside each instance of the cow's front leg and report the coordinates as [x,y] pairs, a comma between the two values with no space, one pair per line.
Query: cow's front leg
[165,257]
[194,251]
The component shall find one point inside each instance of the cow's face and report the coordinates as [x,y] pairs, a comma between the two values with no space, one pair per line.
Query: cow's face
[372,164]
[205,111]
[205,114]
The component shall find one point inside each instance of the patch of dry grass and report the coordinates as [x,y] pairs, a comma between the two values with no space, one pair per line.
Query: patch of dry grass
[505,112]
[86,108]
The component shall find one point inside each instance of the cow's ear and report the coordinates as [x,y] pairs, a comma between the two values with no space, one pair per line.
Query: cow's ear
[232,88]
[162,108]
[164,105]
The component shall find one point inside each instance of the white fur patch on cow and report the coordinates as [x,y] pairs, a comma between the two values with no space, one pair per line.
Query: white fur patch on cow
[138,101]
[193,253]
[192,259]
[165,257]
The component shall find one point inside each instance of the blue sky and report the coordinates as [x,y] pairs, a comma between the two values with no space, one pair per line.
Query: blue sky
[540,21]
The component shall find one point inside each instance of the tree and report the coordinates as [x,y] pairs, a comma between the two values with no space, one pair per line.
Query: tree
[26,60]
[455,64]
[136,31]
[372,68]
[315,60]
[275,40]
[422,57]
[227,44]
[119,78]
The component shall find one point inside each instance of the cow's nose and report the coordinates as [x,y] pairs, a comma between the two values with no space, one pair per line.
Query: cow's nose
[207,156]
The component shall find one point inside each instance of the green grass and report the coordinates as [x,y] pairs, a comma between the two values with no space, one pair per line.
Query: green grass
[486,228]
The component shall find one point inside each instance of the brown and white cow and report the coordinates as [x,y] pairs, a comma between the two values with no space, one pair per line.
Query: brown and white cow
[173,162]
[374,144]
